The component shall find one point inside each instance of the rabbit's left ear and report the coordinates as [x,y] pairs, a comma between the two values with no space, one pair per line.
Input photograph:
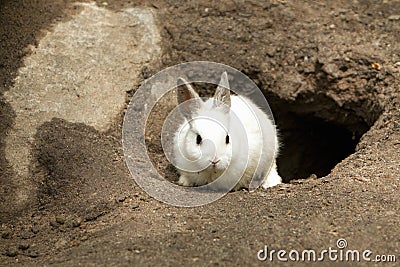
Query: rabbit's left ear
[188,100]
[222,96]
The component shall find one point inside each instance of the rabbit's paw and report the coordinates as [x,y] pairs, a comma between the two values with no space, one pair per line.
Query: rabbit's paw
[273,179]
[184,181]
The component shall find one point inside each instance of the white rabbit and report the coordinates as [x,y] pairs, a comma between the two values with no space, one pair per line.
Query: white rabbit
[203,144]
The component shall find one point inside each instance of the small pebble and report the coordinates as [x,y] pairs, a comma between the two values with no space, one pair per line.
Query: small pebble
[267,6]
[27,234]
[54,224]
[394,17]
[313,176]
[11,252]
[145,74]
[271,52]
[23,246]
[122,199]
[93,216]
[60,219]
[77,222]
[134,207]
[6,235]
[376,66]
[33,254]
[34,230]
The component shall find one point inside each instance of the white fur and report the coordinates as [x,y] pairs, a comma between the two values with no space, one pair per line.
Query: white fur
[213,124]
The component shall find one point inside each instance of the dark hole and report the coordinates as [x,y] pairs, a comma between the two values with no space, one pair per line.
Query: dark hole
[343,68]
[311,146]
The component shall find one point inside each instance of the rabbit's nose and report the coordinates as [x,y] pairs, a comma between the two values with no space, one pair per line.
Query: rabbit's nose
[215,161]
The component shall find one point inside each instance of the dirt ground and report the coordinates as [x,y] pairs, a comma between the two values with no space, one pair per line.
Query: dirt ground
[330,71]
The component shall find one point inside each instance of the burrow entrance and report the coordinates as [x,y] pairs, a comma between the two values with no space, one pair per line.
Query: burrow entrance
[313,140]
[311,144]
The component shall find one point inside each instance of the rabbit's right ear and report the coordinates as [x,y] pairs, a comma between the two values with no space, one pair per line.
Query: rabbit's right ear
[222,96]
[188,100]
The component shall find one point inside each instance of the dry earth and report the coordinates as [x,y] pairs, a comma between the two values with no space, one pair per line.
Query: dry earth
[329,69]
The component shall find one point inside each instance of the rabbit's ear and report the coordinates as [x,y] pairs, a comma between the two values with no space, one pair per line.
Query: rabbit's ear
[222,97]
[186,93]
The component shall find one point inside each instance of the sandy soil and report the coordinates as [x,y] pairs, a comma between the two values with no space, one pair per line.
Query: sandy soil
[330,72]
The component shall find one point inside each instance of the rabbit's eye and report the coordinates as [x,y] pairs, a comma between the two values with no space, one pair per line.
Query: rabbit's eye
[227,139]
[198,139]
